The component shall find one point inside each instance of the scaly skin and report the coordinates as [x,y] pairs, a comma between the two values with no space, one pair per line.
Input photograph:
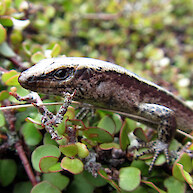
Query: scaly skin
[112,87]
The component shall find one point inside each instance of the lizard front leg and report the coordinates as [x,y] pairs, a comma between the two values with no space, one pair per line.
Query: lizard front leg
[48,119]
[166,120]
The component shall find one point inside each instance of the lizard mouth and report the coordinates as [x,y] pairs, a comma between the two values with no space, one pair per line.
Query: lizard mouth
[42,85]
[32,83]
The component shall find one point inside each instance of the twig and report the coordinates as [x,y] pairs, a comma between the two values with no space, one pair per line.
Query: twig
[3,69]
[25,162]
[185,134]
[17,62]
[28,105]
[10,118]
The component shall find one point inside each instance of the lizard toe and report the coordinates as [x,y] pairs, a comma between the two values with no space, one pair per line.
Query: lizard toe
[155,147]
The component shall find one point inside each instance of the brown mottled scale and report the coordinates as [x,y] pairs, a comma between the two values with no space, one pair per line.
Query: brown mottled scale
[112,87]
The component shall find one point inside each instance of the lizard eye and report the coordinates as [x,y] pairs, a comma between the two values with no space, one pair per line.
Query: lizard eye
[63,73]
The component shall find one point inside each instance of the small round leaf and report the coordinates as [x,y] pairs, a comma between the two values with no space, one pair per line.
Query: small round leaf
[37,57]
[107,124]
[4,95]
[174,185]
[3,34]
[123,136]
[42,151]
[104,175]
[69,150]
[48,162]
[74,166]
[99,135]
[45,187]
[31,135]
[8,169]
[129,178]
[107,146]
[57,179]
[82,150]
[2,119]
[8,75]
[56,50]
[6,21]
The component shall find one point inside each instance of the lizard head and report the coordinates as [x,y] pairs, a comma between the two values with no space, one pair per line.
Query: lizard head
[49,76]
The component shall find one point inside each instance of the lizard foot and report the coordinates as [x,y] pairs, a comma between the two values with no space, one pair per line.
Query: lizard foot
[154,147]
[85,109]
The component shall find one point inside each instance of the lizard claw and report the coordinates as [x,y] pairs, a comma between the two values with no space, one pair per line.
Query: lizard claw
[155,147]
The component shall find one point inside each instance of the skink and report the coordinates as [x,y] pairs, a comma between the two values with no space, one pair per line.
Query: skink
[112,87]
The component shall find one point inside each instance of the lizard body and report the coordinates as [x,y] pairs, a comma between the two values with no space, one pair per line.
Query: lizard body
[110,86]
[103,84]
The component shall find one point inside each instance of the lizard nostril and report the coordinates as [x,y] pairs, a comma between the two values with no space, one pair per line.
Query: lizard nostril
[26,81]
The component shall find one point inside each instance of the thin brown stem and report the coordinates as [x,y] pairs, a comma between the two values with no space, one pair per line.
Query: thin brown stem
[24,159]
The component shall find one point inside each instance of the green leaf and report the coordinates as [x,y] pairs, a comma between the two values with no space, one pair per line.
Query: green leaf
[42,151]
[3,34]
[56,50]
[6,21]
[174,185]
[82,150]
[141,165]
[31,135]
[6,51]
[56,167]
[50,11]
[70,113]
[13,81]
[2,119]
[48,140]
[35,58]
[69,150]
[80,185]
[185,160]
[4,95]
[181,174]
[107,146]
[103,174]
[21,186]
[123,136]
[26,47]
[118,122]
[16,38]
[7,75]
[129,178]
[34,121]
[95,181]
[181,168]
[57,179]
[152,185]
[45,187]
[74,166]
[99,135]
[47,162]
[139,133]
[8,169]
[2,8]
[107,124]
[61,128]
